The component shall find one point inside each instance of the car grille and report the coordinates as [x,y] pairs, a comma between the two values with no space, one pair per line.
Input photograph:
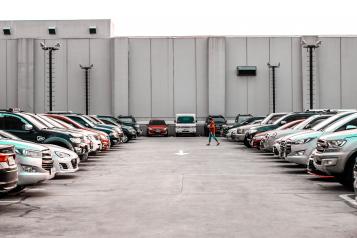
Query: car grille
[321,146]
[288,147]
[74,163]
[47,162]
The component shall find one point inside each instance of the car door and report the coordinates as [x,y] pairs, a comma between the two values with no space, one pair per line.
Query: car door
[15,124]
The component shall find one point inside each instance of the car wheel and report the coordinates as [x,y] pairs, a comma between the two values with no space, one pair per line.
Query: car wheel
[83,157]
[125,139]
[347,177]
[246,142]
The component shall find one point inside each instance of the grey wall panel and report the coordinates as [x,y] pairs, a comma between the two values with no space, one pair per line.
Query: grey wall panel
[236,87]
[296,73]
[3,82]
[41,102]
[11,73]
[120,77]
[60,81]
[162,77]
[202,76]
[78,53]
[258,86]
[100,77]
[139,78]
[329,73]
[349,72]
[184,76]
[216,75]
[280,52]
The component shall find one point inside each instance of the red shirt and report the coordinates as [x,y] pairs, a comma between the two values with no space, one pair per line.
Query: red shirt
[212,127]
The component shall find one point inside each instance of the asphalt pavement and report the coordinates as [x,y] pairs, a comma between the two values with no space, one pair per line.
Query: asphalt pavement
[179,187]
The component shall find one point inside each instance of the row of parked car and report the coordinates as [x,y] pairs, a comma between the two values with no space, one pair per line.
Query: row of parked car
[38,147]
[325,141]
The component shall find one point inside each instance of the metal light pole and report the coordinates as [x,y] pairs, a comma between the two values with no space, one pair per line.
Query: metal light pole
[310,48]
[273,67]
[86,70]
[50,75]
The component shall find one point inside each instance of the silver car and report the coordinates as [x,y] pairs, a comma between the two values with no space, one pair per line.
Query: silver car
[298,148]
[336,153]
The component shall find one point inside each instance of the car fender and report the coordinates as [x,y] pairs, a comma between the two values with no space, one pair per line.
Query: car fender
[55,140]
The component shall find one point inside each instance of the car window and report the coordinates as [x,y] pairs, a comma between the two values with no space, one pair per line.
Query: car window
[273,119]
[11,122]
[324,124]
[352,123]
[185,119]
[81,121]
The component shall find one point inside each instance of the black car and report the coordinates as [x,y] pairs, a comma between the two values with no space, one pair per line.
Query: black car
[130,121]
[8,168]
[240,122]
[220,122]
[28,128]
[129,132]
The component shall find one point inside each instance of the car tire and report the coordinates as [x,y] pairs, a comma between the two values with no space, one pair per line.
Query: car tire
[125,139]
[83,157]
[347,178]
[246,143]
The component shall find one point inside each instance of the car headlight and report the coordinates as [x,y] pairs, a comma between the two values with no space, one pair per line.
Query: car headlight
[75,140]
[302,141]
[29,153]
[336,143]
[273,135]
[62,154]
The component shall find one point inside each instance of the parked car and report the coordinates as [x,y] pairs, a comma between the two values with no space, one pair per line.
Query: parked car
[100,123]
[64,161]
[8,168]
[130,121]
[242,117]
[258,139]
[281,121]
[247,120]
[28,128]
[242,130]
[157,127]
[34,161]
[299,147]
[233,133]
[185,123]
[270,143]
[219,120]
[336,154]
[103,134]
[129,132]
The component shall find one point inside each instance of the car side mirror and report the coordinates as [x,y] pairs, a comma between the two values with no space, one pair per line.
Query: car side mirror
[28,127]
[351,127]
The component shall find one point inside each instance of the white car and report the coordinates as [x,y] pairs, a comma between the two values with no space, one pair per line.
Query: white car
[185,123]
[64,161]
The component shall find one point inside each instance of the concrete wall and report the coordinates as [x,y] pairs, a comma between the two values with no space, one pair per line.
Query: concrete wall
[159,77]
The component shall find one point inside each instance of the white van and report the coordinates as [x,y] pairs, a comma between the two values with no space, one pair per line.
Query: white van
[186,123]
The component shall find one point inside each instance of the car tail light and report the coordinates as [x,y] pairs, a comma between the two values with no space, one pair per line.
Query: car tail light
[5,157]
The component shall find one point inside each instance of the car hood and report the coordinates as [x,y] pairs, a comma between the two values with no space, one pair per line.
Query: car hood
[340,135]
[310,134]
[262,128]
[21,144]
[54,148]
[246,127]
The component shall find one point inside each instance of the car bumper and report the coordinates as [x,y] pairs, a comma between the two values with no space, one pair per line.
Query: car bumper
[239,137]
[186,130]
[8,179]
[30,178]
[154,132]
[66,165]
[330,163]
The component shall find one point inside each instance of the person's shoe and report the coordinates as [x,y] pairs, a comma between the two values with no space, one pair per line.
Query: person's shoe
[208,144]
[218,143]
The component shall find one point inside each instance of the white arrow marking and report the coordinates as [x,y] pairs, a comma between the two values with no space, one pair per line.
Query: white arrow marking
[181,153]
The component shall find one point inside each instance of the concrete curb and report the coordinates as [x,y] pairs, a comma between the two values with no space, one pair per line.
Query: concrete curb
[349,199]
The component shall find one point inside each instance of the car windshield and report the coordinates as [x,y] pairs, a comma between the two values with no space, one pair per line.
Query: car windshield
[243,118]
[38,118]
[65,124]
[271,119]
[157,122]
[127,119]
[341,125]
[35,122]
[321,126]
[89,122]
[91,119]
[219,120]
[109,121]
[185,119]
[51,121]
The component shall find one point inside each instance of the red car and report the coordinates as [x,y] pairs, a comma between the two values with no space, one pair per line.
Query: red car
[258,138]
[103,136]
[157,127]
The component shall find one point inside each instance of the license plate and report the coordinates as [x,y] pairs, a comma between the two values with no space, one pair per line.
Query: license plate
[158,131]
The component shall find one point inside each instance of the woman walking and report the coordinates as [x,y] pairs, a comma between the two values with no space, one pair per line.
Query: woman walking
[212,131]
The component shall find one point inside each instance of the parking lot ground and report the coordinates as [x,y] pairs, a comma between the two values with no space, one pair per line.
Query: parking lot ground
[179,187]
